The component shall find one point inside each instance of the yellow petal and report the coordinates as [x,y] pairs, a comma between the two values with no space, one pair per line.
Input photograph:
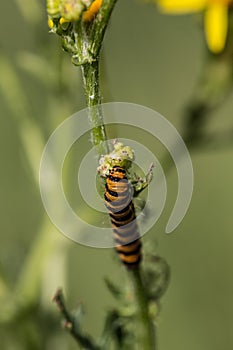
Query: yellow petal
[216,21]
[176,7]
[50,23]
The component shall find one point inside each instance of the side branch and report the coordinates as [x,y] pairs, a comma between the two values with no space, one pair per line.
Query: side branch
[70,324]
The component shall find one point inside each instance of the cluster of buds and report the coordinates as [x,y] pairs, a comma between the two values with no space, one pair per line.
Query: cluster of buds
[67,11]
[121,156]
[71,20]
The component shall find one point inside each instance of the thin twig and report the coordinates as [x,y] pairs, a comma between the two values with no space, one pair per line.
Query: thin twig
[70,325]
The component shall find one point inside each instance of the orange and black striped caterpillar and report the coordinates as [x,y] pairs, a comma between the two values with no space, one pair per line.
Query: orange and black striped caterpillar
[118,200]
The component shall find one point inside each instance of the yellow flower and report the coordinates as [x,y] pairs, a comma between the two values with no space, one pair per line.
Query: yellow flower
[215,17]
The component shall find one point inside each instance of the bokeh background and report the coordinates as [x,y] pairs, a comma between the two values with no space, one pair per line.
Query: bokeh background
[149,59]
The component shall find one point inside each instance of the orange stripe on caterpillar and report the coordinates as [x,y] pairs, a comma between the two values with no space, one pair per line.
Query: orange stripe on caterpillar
[122,215]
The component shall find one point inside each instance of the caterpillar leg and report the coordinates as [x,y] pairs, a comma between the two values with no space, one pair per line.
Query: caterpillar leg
[139,184]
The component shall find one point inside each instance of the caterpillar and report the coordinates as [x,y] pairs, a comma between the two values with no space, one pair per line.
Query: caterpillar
[122,215]
[90,13]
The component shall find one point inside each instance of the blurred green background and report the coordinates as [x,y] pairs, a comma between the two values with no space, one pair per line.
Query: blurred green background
[148,59]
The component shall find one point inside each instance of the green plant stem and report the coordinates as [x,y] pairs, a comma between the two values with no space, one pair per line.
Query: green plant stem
[100,25]
[148,335]
[92,38]
[90,72]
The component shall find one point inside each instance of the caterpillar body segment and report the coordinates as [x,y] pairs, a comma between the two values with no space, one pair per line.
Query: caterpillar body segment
[118,200]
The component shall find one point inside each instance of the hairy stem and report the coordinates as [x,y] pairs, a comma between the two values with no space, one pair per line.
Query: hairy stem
[147,335]
[90,72]
[94,35]
[100,25]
